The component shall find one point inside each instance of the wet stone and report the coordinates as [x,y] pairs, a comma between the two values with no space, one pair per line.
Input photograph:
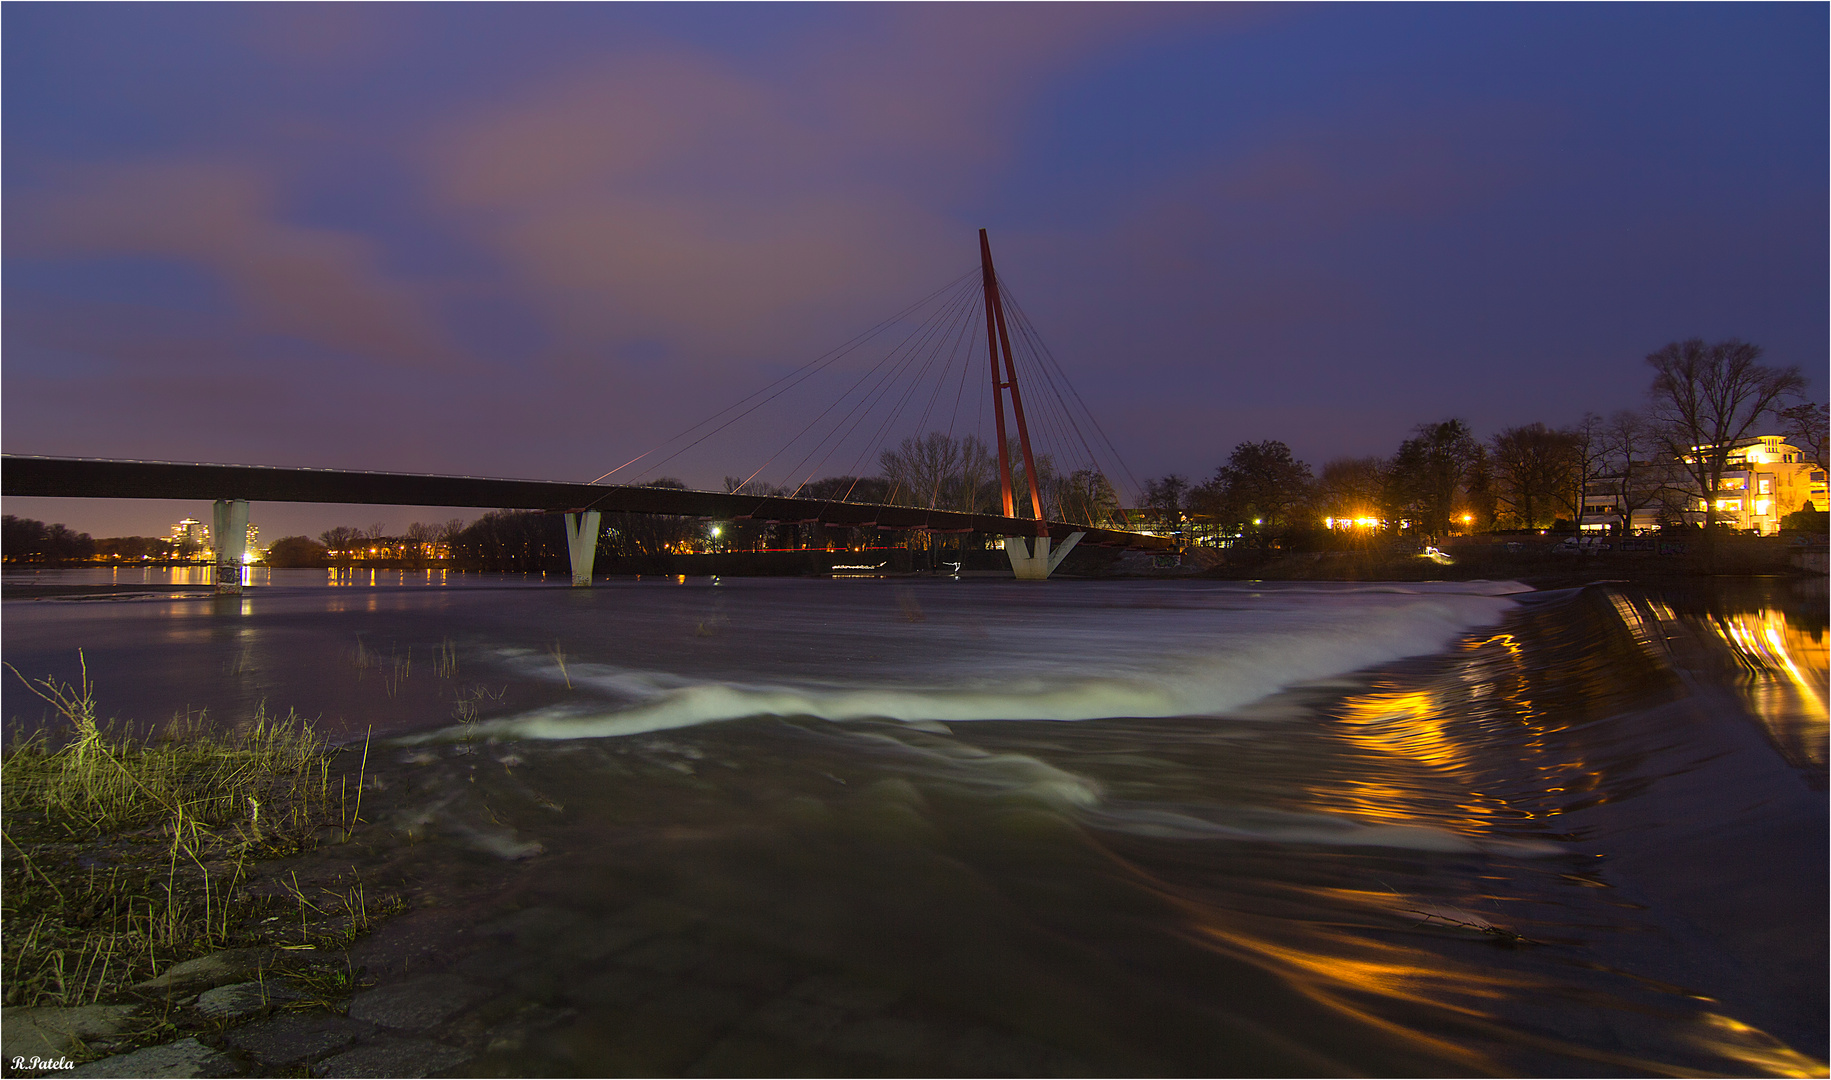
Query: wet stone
[293,1038]
[53,1032]
[546,928]
[408,1058]
[216,969]
[601,939]
[530,1024]
[417,1004]
[245,999]
[186,1057]
[616,985]
[495,964]
[413,941]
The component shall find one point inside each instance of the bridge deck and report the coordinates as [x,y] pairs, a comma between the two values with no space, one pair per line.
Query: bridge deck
[97,478]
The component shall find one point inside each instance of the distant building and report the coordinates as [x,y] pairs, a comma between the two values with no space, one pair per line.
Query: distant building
[190,535]
[1767,478]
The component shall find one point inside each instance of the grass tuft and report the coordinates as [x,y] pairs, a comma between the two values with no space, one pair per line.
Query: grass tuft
[132,854]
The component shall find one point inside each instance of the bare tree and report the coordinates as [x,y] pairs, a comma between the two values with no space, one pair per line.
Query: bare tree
[1535,470]
[738,486]
[1087,497]
[1589,440]
[1805,427]
[1635,472]
[1350,487]
[1166,498]
[920,468]
[1706,398]
[978,477]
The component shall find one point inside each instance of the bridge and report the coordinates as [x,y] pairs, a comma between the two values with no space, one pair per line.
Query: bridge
[1034,545]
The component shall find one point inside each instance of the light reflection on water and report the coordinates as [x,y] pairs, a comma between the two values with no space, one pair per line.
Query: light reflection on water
[1785,686]
[1478,861]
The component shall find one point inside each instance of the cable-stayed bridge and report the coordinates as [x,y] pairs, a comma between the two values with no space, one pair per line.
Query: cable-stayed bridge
[937,484]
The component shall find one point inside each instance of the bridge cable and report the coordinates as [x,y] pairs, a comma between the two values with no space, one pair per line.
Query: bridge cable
[804,372]
[866,403]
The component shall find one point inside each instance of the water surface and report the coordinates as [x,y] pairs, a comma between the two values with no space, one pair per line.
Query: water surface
[899,826]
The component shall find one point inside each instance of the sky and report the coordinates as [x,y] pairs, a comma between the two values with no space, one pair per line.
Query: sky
[537,240]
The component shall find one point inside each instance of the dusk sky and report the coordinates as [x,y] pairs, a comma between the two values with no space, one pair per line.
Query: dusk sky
[534,241]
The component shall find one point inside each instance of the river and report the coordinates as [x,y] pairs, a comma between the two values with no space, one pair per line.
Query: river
[898,826]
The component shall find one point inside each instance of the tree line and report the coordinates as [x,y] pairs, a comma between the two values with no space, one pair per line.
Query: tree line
[27,540]
[1531,476]
[1440,479]
[941,471]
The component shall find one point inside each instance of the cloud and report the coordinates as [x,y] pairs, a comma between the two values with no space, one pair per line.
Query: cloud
[319,36]
[732,208]
[317,285]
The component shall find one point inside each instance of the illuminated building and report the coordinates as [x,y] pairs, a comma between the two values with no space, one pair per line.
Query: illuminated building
[1766,479]
[190,535]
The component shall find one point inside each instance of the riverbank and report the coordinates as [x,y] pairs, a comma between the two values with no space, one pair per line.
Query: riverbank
[1545,561]
[161,888]
[1541,561]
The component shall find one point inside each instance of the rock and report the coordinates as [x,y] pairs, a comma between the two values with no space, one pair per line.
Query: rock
[186,1057]
[510,1037]
[417,1004]
[409,1058]
[291,1039]
[216,969]
[53,1032]
[237,1000]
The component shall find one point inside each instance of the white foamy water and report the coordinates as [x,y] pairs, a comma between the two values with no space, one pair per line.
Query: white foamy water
[1195,653]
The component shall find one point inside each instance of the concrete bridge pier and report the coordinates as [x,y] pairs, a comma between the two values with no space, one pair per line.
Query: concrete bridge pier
[582,543]
[1031,560]
[229,536]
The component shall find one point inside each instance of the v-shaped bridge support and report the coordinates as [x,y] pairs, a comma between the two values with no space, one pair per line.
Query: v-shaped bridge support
[582,545]
[1031,560]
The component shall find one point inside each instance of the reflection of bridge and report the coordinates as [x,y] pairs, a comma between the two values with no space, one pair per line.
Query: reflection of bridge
[1034,545]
